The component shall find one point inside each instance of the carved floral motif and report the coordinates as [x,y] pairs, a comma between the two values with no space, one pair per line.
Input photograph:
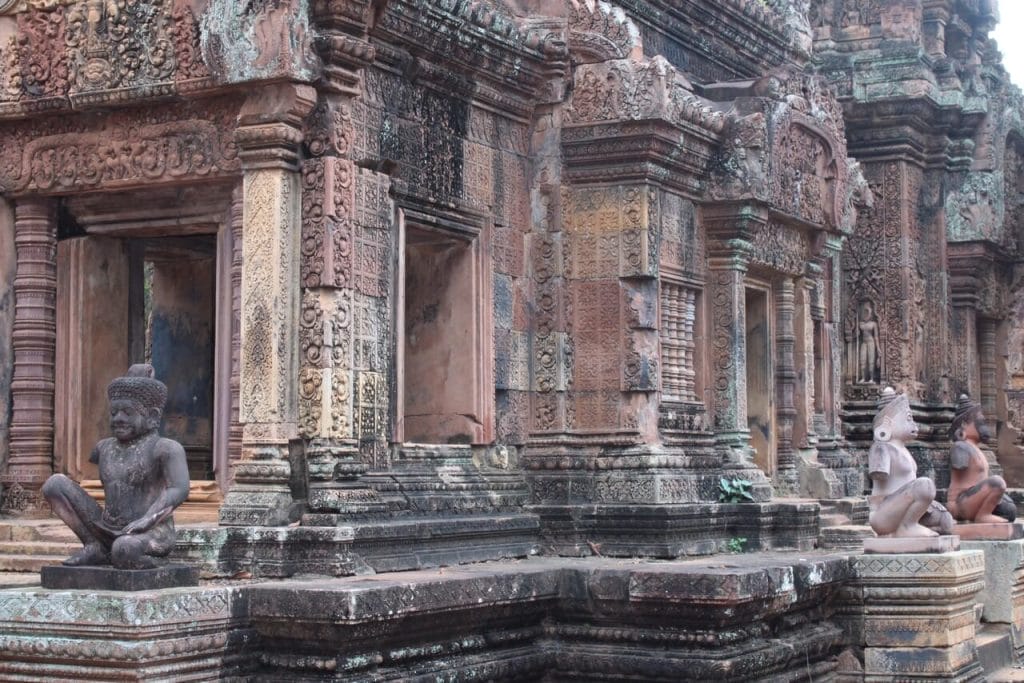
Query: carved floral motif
[134,147]
[780,247]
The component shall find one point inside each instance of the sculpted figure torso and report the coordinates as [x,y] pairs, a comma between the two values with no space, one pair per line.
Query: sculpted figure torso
[974,496]
[902,504]
[145,477]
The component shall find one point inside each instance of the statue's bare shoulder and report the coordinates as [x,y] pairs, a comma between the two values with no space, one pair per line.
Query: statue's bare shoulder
[960,455]
[880,457]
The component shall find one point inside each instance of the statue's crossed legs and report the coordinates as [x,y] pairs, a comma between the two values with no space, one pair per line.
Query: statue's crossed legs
[103,543]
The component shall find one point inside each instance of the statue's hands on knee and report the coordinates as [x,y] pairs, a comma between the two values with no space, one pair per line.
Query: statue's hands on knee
[147,521]
[141,525]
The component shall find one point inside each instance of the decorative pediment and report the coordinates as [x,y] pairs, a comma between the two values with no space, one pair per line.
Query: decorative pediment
[60,54]
[630,90]
[784,145]
[599,31]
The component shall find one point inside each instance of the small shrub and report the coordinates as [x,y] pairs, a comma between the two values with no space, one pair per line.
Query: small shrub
[735,490]
[736,544]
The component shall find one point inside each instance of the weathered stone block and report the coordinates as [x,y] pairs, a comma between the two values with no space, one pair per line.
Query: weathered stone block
[111,579]
[990,532]
[916,614]
[903,545]
[1003,595]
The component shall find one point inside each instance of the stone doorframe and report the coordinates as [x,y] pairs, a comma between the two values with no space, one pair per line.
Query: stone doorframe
[458,225]
[747,243]
[44,386]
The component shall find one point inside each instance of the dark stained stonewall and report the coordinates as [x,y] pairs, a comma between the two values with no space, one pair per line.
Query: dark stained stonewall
[145,477]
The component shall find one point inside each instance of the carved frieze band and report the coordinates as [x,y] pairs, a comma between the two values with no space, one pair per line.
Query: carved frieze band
[177,150]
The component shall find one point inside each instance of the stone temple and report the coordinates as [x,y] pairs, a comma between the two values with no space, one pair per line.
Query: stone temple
[473,312]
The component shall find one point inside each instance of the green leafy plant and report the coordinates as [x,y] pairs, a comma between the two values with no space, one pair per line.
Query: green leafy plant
[736,544]
[734,490]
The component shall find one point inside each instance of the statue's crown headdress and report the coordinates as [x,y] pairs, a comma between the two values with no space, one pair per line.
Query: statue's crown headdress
[966,410]
[889,405]
[139,385]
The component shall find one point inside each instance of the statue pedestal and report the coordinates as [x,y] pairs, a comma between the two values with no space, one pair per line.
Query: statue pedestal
[111,579]
[1000,531]
[917,615]
[1003,595]
[926,544]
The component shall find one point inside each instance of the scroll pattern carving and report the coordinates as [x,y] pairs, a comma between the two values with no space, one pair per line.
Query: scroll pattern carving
[804,176]
[728,341]
[262,192]
[628,90]
[96,51]
[134,147]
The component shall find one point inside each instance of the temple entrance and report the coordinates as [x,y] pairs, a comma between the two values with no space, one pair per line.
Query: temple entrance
[124,301]
[130,291]
[760,400]
[443,380]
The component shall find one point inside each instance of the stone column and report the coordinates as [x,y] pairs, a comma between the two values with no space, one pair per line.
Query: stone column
[34,346]
[966,371]
[809,316]
[729,351]
[785,384]
[916,615]
[987,382]
[236,226]
[268,137]
[727,268]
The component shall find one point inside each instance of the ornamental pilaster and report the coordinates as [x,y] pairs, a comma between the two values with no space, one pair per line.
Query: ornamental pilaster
[268,136]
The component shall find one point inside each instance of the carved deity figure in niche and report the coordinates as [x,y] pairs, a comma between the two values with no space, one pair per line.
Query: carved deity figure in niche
[902,504]
[974,496]
[145,477]
[867,344]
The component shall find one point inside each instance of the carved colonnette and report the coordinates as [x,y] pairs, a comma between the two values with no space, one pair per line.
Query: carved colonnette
[34,350]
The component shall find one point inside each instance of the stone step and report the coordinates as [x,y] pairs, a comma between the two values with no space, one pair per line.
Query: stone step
[18,579]
[995,647]
[35,530]
[833,519]
[61,548]
[27,563]
[1006,675]
[847,536]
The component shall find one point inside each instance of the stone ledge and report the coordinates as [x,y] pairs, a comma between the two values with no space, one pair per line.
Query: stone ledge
[888,545]
[509,620]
